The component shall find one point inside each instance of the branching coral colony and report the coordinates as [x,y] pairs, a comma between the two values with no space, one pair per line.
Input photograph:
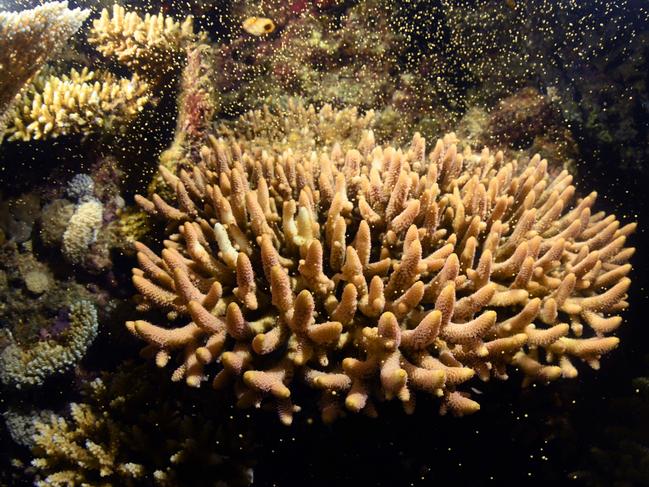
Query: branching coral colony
[84,102]
[377,273]
[27,40]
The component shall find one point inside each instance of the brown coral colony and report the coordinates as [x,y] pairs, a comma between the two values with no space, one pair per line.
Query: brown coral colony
[377,274]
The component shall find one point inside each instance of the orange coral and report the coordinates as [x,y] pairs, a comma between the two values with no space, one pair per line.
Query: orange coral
[378,273]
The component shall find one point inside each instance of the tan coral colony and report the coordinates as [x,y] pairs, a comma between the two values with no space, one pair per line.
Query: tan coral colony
[377,274]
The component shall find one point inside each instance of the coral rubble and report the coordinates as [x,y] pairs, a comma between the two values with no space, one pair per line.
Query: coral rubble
[376,273]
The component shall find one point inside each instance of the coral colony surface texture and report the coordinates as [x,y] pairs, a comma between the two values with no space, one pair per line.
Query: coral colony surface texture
[322,210]
[376,273]
[27,40]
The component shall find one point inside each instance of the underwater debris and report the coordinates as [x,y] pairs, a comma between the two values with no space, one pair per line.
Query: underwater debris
[454,264]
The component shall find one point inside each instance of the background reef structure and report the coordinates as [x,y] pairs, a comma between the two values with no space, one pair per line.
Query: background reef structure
[377,273]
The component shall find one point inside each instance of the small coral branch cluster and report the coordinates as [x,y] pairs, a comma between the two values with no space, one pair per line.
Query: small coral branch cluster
[377,273]
[80,102]
[51,104]
[27,40]
[148,44]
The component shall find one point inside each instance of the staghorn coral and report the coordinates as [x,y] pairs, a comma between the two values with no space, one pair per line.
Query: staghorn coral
[287,122]
[377,273]
[27,40]
[57,441]
[118,436]
[80,102]
[149,46]
[85,102]
[22,366]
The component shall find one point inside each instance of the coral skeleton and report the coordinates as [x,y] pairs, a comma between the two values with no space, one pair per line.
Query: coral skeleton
[377,273]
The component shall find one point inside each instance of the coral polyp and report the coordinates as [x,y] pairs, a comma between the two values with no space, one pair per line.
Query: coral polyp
[376,273]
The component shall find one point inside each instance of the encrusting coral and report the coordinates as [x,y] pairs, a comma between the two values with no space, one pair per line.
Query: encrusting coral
[24,366]
[27,40]
[375,273]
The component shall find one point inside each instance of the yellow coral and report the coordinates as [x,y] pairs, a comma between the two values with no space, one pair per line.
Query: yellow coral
[115,438]
[134,225]
[377,273]
[27,40]
[148,45]
[81,102]
[59,441]
[292,125]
